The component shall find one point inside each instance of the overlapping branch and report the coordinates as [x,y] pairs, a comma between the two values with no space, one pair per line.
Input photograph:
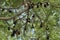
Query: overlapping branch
[19,13]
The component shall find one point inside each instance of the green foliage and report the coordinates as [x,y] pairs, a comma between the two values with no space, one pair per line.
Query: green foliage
[49,15]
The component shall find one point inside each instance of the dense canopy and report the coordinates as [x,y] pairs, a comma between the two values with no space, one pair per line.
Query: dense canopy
[29,19]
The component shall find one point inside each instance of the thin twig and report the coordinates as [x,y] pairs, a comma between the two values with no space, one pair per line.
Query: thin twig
[12,7]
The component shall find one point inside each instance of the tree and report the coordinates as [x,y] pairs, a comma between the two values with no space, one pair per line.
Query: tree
[30,19]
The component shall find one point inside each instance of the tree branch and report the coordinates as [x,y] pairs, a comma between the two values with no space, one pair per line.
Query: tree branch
[8,18]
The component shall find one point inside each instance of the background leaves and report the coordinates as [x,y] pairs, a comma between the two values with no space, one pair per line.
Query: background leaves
[49,15]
